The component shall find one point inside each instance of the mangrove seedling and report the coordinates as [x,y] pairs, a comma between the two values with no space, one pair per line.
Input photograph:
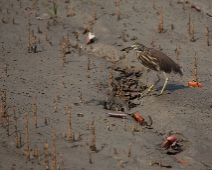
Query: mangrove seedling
[53,11]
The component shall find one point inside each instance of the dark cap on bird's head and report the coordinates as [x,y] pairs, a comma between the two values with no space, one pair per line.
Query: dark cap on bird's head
[136,46]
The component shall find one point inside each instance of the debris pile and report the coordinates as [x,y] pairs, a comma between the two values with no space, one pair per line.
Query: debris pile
[125,89]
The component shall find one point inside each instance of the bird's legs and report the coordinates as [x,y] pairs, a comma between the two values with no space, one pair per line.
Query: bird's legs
[150,88]
[166,81]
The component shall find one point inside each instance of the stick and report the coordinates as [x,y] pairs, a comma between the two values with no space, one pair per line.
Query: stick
[27,138]
[2,19]
[1,116]
[54,159]
[118,10]
[152,43]
[129,150]
[5,70]
[35,7]
[35,113]
[118,115]
[210,16]
[195,69]
[93,141]
[13,20]
[150,161]
[70,135]
[28,12]
[160,25]
[63,24]
[89,61]
[68,43]
[7,122]
[90,157]
[20,142]
[94,5]
[46,153]
[196,7]
[189,25]
[28,45]
[63,51]
[16,127]
[207,36]
[192,35]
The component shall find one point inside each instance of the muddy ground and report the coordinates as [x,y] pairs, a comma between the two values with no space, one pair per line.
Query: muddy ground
[181,111]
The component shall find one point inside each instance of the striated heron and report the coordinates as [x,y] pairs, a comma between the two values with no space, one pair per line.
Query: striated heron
[155,60]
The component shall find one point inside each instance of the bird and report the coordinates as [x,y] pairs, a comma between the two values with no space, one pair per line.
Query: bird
[155,60]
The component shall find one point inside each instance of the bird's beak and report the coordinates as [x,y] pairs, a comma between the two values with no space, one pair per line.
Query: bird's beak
[127,49]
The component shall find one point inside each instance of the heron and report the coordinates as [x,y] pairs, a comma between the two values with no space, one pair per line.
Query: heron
[155,60]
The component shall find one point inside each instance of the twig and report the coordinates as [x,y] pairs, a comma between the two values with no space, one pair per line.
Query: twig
[118,115]
[196,7]
[210,16]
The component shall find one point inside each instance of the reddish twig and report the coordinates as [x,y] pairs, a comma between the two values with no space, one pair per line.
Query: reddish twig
[138,118]
[118,115]
[196,7]
[183,162]
[142,121]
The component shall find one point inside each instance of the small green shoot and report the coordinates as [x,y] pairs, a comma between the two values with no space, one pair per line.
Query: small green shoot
[53,11]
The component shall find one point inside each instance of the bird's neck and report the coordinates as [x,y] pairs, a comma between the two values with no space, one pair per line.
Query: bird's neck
[141,49]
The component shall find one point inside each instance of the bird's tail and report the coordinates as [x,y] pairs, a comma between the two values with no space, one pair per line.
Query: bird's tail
[177,69]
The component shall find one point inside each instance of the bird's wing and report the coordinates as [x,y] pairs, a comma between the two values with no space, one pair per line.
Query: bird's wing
[164,62]
[148,60]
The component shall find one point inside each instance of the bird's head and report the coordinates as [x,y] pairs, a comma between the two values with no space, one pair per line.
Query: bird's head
[137,46]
